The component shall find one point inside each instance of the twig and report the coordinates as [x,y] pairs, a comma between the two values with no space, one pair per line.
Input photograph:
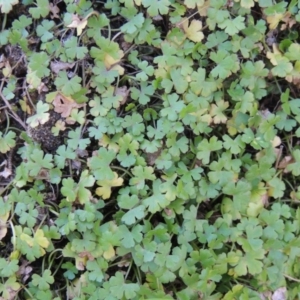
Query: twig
[291,278]
[10,108]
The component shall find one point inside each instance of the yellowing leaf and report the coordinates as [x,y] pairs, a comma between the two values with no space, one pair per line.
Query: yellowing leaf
[110,253]
[274,20]
[275,56]
[203,8]
[109,61]
[216,111]
[193,32]
[26,238]
[78,24]
[40,238]
[106,185]
[3,227]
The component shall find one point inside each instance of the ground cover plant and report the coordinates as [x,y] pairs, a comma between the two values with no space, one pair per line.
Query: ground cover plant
[149,149]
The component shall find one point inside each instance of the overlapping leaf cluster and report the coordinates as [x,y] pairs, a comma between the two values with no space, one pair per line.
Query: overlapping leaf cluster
[177,171]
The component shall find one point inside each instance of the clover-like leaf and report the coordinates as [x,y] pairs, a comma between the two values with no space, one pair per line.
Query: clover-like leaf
[7,141]
[106,184]
[6,5]
[41,116]
[66,85]
[193,30]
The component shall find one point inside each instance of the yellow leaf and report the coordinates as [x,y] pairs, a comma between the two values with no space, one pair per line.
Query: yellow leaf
[193,32]
[78,24]
[203,8]
[3,227]
[26,238]
[109,61]
[106,185]
[40,238]
[110,253]
[274,57]
[274,20]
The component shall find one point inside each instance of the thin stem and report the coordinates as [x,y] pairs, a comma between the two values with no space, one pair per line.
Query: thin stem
[13,234]
[4,22]
[291,278]
[10,108]
[122,169]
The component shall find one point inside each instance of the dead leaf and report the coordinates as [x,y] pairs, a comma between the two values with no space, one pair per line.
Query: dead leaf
[285,162]
[42,88]
[64,105]
[78,24]
[288,21]
[5,173]
[3,59]
[43,174]
[123,92]
[280,294]
[57,66]
[54,10]
[24,270]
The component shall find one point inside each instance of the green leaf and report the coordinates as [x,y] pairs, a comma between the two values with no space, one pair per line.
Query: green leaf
[37,68]
[143,94]
[100,164]
[38,161]
[43,30]
[295,166]
[233,26]
[7,142]
[134,24]
[158,200]
[73,191]
[133,215]
[201,86]
[8,268]
[234,146]
[43,283]
[42,9]
[205,148]
[62,154]
[75,141]
[226,64]
[173,107]
[159,7]
[141,174]
[66,85]
[41,116]
[120,289]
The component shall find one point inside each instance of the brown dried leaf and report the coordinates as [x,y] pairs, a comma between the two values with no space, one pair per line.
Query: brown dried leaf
[24,270]
[285,162]
[42,88]
[288,21]
[54,10]
[64,105]
[123,92]
[57,66]
[3,60]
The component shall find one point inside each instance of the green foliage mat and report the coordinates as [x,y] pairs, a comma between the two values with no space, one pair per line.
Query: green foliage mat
[149,149]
